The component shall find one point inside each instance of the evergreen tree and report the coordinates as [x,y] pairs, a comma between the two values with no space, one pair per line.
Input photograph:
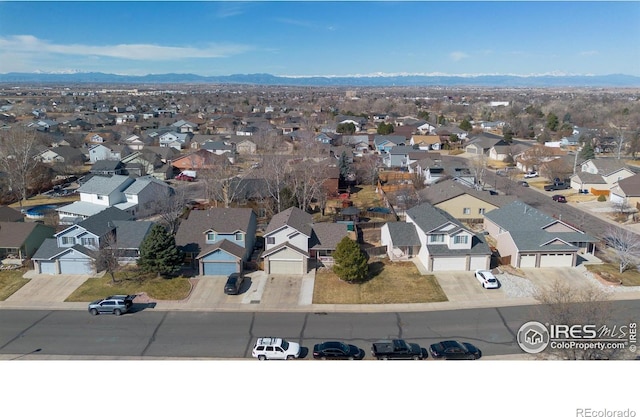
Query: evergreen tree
[158,252]
[587,151]
[385,128]
[552,122]
[343,164]
[346,128]
[466,125]
[350,262]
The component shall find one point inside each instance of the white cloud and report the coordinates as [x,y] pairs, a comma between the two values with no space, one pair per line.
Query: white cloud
[28,43]
[457,55]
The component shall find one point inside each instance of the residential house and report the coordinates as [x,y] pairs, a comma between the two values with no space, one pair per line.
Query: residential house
[61,155]
[139,197]
[108,167]
[20,240]
[290,242]
[384,143]
[445,132]
[482,143]
[8,214]
[358,122]
[436,239]
[462,202]
[430,169]
[626,192]
[217,241]
[174,140]
[531,239]
[199,160]
[426,142]
[134,142]
[72,250]
[611,170]
[183,126]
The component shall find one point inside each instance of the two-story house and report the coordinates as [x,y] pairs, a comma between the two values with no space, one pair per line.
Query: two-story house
[217,241]
[599,170]
[384,143]
[437,239]
[291,241]
[140,197]
[72,250]
[174,140]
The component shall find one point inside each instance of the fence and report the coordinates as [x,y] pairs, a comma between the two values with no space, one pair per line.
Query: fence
[599,192]
[376,251]
[387,176]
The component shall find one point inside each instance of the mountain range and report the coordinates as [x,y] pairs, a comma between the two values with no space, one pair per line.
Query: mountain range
[611,80]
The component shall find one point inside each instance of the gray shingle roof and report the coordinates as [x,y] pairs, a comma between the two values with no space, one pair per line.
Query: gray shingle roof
[478,247]
[191,233]
[588,178]
[608,166]
[448,189]
[428,218]
[293,217]
[518,216]
[327,235]
[403,234]
[141,183]
[101,223]
[130,234]
[630,186]
[104,185]
[225,245]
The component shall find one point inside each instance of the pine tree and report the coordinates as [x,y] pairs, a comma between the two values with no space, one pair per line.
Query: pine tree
[350,262]
[158,252]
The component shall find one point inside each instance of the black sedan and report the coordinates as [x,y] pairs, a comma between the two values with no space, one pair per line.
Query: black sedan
[234,284]
[337,350]
[452,349]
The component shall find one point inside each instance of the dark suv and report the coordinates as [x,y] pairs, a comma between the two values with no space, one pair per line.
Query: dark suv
[234,284]
[114,304]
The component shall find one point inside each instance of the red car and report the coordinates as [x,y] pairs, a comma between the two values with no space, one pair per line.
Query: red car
[559,198]
[183,177]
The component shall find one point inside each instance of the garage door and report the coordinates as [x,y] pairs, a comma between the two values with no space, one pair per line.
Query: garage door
[220,268]
[450,264]
[478,262]
[556,260]
[48,267]
[280,267]
[528,261]
[75,267]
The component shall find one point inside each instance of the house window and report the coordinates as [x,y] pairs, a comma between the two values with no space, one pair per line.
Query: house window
[88,241]
[68,240]
[436,238]
[460,239]
[239,236]
[481,211]
[211,237]
[466,210]
[271,240]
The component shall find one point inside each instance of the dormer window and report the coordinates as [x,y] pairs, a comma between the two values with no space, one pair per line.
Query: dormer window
[439,238]
[211,236]
[239,236]
[460,239]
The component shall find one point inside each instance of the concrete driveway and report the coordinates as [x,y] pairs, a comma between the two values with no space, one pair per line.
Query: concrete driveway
[43,291]
[545,277]
[463,286]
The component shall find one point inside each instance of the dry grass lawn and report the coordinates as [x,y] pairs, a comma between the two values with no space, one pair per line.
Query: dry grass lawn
[366,197]
[10,282]
[43,199]
[391,283]
[132,283]
[609,272]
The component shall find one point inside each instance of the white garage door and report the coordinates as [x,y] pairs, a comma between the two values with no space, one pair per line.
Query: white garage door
[450,264]
[75,267]
[478,262]
[557,260]
[48,267]
[279,267]
[528,261]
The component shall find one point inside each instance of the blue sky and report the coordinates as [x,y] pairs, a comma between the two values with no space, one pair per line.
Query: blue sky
[321,38]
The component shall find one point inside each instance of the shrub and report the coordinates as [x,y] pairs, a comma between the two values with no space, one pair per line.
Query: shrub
[601,197]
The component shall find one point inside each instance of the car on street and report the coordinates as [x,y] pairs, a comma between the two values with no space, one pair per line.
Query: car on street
[453,349]
[524,183]
[275,348]
[114,304]
[337,350]
[233,284]
[486,278]
[531,174]
[559,198]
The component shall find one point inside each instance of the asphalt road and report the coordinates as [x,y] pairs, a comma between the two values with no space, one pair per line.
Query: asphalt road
[156,334]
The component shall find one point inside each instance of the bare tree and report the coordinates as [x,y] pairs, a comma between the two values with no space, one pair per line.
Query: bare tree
[478,168]
[625,245]
[105,258]
[275,169]
[171,209]
[17,159]
[561,304]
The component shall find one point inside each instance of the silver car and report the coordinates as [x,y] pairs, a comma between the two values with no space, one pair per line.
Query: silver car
[115,304]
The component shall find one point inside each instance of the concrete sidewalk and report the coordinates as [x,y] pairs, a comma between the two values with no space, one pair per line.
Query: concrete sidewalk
[266,294]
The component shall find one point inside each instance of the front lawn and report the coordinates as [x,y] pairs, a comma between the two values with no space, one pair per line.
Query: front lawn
[392,283]
[11,281]
[130,282]
[610,272]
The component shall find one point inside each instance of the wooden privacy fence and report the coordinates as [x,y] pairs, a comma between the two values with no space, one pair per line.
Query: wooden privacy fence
[599,192]
[387,176]
[376,250]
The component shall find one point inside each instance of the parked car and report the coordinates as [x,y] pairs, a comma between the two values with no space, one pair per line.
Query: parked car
[524,183]
[453,349]
[531,174]
[185,177]
[486,278]
[559,198]
[337,350]
[234,284]
[114,304]
[275,348]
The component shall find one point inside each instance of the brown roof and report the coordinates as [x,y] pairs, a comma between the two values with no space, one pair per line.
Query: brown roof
[13,234]
[630,186]
[8,214]
[191,233]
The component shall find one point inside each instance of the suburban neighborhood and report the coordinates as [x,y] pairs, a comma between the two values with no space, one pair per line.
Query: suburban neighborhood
[264,201]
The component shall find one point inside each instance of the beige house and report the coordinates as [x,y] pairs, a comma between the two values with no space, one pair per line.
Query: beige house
[426,142]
